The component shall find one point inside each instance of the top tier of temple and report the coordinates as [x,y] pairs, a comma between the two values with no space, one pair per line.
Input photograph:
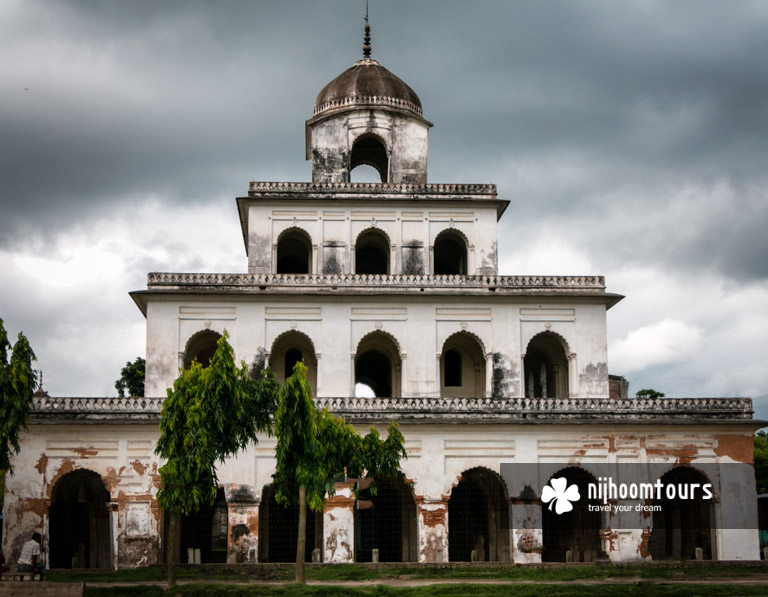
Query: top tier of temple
[368,116]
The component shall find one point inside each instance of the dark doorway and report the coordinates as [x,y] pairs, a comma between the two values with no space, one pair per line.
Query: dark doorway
[201,347]
[450,254]
[278,527]
[373,369]
[294,253]
[386,521]
[372,253]
[79,528]
[206,530]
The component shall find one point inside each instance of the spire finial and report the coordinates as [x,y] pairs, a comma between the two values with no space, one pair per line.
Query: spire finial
[367,37]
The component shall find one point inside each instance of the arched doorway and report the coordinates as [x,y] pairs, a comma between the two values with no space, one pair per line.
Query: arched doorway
[450,251]
[290,348]
[201,346]
[369,150]
[546,367]
[462,367]
[377,366]
[683,524]
[294,252]
[205,530]
[478,518]
[372,252]
[385,521]
[278,528]
[80,529]
[577,531]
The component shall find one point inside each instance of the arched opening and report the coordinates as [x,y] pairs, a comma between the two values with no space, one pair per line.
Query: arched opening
[546,367]
[684,523]
[288,349]
[369,150]
[80,530]
[372,253]
[576,532]
[450,254]
[385,521]
[203,532]
[201,346]
[478,518]
[377,365]
[294,252]
[278,528]
[462,367]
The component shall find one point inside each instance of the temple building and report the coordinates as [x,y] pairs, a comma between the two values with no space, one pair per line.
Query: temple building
[390,293]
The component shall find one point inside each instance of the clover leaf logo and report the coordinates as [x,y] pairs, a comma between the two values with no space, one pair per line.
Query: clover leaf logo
[560,495]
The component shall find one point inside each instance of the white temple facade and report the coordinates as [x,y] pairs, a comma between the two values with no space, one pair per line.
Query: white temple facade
[390,293]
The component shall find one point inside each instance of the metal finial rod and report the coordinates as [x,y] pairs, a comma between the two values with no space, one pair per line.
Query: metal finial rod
[367,37]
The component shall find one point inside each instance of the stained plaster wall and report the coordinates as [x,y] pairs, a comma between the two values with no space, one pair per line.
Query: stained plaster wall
[419,328]
[333,227]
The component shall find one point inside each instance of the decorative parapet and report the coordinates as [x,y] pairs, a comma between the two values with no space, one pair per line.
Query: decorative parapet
[375,188]
[438,410]
[367,100]
[330,282]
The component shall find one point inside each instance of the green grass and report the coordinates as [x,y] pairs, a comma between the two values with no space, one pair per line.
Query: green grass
[455,590]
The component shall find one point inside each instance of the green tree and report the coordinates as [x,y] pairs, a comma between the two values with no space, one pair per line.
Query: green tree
[211,413]
[17,384]
[315,447]
[132,378]
[649,393]
[761,461]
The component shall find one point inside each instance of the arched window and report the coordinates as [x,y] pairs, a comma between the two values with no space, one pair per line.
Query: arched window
[369,150]
[294,252]
[201,346]
[290,348]
[450,254]
[546,367]
[372,253]
[80,526]
[462,367]
[377,366]
[478,518]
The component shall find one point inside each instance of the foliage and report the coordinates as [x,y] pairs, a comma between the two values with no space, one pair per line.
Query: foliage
[315,448]
[131,378]
[649,393]
[761,461]
[17,384]
[211,413]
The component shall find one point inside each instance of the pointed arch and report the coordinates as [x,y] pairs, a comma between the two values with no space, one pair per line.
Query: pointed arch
[294,252]
[546,366]
[462,366]
[288,348]
[378,364]
[683,525]
[371,150]
[478,517]
[577,531]
[372,252]
[80,525]
[451,253]
[201,346]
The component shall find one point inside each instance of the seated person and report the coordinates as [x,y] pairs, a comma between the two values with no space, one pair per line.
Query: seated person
[30,559]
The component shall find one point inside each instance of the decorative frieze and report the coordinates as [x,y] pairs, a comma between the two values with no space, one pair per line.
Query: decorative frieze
[370,188]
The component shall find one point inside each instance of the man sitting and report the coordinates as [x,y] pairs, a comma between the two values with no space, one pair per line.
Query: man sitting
[30,559]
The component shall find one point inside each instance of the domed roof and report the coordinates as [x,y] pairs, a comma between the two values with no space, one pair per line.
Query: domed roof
[367,83]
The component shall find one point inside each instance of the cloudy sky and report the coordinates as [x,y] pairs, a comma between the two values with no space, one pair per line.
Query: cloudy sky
[629,137]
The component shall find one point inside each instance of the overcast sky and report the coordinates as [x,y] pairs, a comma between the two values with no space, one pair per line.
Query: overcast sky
[630,137]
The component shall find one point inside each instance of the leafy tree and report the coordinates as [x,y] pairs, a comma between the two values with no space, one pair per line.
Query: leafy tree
[132,378]
[211,413]
[649,393]
[17,384]
[315,447]
[761,461]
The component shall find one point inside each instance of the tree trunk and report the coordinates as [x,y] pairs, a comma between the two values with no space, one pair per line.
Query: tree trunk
[301,540]
[171,547]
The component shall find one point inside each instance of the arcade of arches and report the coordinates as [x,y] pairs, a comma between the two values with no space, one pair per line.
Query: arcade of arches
[546,367]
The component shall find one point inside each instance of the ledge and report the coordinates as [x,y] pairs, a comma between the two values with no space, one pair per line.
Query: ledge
[441,410]
[258,189]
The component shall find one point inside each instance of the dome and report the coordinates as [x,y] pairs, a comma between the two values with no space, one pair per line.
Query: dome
[367,83]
